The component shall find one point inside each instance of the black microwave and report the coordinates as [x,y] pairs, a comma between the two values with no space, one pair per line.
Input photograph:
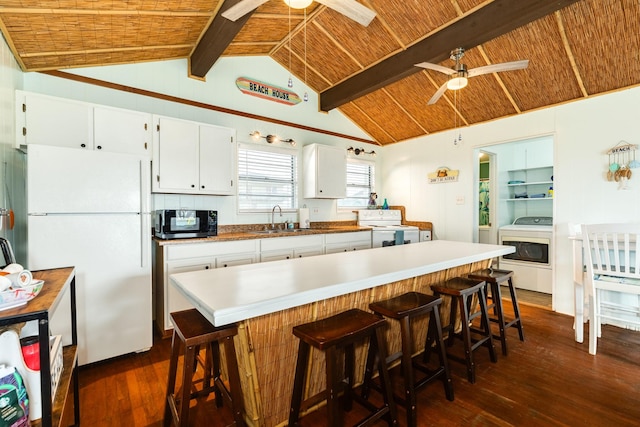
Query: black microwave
[185,223]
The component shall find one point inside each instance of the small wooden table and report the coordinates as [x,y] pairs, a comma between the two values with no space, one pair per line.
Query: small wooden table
[41,308]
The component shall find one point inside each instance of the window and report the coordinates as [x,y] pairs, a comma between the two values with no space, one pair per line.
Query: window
[266,177]
[360,183]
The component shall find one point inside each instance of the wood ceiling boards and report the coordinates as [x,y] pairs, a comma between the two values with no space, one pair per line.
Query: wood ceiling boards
[584,48]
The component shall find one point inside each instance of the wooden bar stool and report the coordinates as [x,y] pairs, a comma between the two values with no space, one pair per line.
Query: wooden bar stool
[495,279]
[341,332]
[404,308]
[462,290]
[192,330]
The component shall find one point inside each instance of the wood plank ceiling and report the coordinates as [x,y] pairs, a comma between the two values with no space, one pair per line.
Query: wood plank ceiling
[587,48]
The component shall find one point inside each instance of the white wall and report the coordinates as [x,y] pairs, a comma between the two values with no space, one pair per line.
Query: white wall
[11,161]
[170,78]
[582,132]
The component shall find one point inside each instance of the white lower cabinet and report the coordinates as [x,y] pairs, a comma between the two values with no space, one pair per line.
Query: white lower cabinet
[184,257]
[181,258]
[345,242]
[291,247]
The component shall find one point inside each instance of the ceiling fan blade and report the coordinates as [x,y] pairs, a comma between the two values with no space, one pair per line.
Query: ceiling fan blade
[496,68]
[438,94]
[240,9]
[436,67]
[351,9]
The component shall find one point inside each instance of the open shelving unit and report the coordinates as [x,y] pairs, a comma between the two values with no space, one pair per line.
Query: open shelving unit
[57,282]
[533,181]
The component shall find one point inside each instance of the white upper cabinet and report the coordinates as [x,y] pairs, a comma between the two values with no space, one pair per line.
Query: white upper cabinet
[193,158]
[325,171]
[47,120]
[217,159]
[122,131]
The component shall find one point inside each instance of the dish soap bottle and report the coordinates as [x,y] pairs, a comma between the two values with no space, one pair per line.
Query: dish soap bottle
[385,205]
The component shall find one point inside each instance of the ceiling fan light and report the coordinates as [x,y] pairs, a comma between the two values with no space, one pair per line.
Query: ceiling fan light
[457,83]
[298,4]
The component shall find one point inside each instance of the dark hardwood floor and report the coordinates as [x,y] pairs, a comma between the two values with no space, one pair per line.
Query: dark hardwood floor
[548,380]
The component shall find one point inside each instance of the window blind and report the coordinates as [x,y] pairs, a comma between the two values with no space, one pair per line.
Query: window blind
[360,183]
[265,179]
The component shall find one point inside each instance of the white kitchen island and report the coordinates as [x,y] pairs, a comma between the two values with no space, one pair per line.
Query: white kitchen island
[268,299]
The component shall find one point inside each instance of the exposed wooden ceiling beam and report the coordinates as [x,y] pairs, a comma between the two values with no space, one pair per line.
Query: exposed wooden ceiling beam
[215,40]
[481,25]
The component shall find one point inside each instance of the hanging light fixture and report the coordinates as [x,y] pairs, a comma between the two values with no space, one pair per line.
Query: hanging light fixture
[305,97]
[290,81]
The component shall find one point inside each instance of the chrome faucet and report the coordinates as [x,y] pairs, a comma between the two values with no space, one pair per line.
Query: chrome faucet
[273,211]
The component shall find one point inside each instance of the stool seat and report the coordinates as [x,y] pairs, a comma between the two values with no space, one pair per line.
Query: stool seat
[191,331]
[341,328]
[404,308]
[341,331]
[495,279]
[461,290]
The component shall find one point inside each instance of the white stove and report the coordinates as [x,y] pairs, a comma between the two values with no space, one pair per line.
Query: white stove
[387,228]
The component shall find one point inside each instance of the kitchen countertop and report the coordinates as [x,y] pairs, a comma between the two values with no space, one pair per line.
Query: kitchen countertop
[227,295]
[237,233]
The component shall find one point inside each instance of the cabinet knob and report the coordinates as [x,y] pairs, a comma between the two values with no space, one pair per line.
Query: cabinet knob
[207,267]
[288,256]
[226,265]
[99,147]
[83,145]
[346,250]
[202,186]
[193,186]
[299,256]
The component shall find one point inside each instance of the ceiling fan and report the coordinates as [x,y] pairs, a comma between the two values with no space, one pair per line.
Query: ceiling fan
[459,74]
[349,8]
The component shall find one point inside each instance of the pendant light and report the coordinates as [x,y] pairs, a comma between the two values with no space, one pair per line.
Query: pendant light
[290,81]
[305,97]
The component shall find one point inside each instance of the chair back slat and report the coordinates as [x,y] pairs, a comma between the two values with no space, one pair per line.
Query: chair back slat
[611,249]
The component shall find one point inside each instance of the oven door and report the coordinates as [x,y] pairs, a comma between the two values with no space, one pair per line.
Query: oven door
[528,250]
[384,238]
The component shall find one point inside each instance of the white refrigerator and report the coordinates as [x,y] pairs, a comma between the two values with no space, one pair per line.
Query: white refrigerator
[90,209]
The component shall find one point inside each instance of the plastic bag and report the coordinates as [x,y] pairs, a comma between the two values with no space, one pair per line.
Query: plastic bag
[14,401]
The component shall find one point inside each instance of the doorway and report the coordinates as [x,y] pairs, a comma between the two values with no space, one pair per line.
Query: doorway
[486,198]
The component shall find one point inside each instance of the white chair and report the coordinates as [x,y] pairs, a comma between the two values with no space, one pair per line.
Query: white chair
[612,265]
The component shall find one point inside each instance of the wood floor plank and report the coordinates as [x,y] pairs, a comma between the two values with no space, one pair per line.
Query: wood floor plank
[548,380]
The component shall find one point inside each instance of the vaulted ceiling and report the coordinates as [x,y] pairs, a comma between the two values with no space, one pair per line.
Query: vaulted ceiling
[576,49]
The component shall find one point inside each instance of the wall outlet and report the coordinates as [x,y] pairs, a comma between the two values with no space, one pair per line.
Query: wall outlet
[460,200]
[315,210]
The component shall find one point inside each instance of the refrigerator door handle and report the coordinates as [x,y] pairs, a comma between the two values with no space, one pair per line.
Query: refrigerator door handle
[145,239]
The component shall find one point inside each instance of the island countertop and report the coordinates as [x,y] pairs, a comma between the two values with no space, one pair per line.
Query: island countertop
[232,294]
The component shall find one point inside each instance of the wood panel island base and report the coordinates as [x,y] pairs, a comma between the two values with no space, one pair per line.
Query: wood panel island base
[269,299]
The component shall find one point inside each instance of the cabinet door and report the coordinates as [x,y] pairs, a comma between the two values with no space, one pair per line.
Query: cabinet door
[236,259]
[306,252]
[276,255]
[332,248]
[358,246]
[332,172]
[54,121]
[175,301]
[176,157]
[217,160]
[122,131]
